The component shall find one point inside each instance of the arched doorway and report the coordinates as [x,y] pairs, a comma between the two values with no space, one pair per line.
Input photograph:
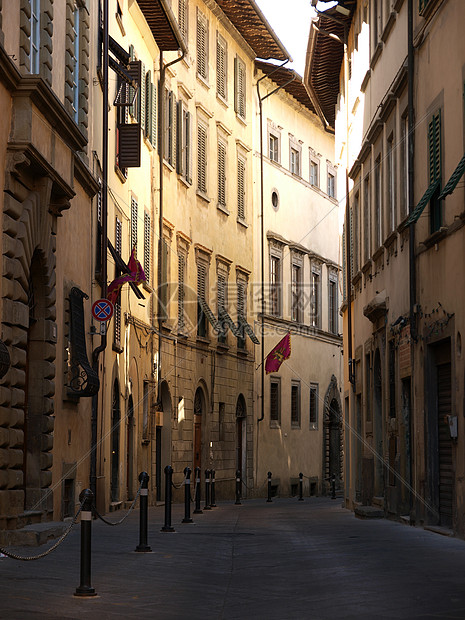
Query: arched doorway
[241,423]
[199,411]
[333,437]
[130,449]
[34,460]
[378,426]
[114,443]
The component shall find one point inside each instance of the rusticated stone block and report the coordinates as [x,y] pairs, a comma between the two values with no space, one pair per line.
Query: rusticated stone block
[10,225]
[3,478]
[5,395]
[16,437]
[20,337]
[47,423]
[4,437]
[15,478]
[5,416]
[7,332]
[13,207]
[46,460]
[46,477]
[17,377]
[17,418]
[18,357]
[47,370]
[46,442]
[48,387]
[11,246]
[17,397]
[16,458]
[48,406]
[15,313]
[12,289]
[49,352]
[11,502]
[4,458]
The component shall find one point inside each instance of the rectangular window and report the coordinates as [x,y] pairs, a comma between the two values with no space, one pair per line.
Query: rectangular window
[202,159]
[434,148]
[275,285]
[377,206]
[331,185]
[315,318]
[221,67]
[332,304]
[366,219]
[241,189]
[184,137]
[356,232]
[182,18]
[134,222]
[313,406]
[181,291]
[391,180]
[275,402]
[314,173]
[273,148]
[295,161]
[170,115]
[404,175]
[35,35]
[239,87]
[221,175]
[296,290]
[201,295]
[117,310]
[295,404]
[202,45]
[147,245]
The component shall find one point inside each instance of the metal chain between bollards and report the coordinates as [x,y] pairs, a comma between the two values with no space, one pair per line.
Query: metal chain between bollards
[131,508]
[15,556]
[178,486]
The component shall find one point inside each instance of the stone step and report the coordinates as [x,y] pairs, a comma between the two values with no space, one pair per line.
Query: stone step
[369,512]
[33,535]
[378,501]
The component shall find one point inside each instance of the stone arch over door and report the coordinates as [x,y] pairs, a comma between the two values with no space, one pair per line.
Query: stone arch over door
[30,332]
[333,436]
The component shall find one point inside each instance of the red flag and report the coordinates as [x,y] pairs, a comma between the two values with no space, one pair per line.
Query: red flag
[276,356]
[136,275]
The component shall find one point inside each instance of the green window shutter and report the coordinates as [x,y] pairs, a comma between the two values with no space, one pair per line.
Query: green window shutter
[434,140]
[202,159]
[344,265]
[173,130]
[132,108]
[241,189]
[181,270]
[188,130]
[147,127]
[134,217]
[147,245]
[239,87]
[153,126]
[221,174]
[143,95]
[202,45]
[221,63]
[180,141]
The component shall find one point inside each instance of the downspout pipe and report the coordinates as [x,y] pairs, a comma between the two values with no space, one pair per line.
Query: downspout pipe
[262,228]
[104,245]
[161,146]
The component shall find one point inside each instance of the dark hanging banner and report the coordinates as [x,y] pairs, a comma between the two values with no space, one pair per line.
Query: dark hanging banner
[84,380]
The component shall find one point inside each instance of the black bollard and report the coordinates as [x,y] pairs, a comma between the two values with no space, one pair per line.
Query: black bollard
[269,487]
[198,491]
[168,482]
[333,486]
[238,488]
[212,489]
[301,485]
[187,496]
[143,547]
[207,490]
[85,588]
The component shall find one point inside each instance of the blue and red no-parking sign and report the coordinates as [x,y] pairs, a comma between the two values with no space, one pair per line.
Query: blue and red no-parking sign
[102,310]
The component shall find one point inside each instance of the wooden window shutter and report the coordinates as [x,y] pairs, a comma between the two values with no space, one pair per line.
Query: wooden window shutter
[153,126]
[201,280]
[434,139]
[117,310]
[173,130]
[147,245]
[221,174]
[220,68]
[181,270]
[351,222]
[188,129]
[221,286]
[129,146]
[182,18]
[165,257]
[180,140]
[118,236]
[202,159]
[241,302]
[143,94]
[134,216]
[166,137]
[241,189]
[239,87]
[202,45]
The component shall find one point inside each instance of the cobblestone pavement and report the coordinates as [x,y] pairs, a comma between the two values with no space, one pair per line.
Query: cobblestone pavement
[287,560]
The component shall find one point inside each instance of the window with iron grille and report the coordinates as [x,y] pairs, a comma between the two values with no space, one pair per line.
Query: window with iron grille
[134,222]
[275,285]
[117,309]
[241,189]
[147,245]
[202,275]
[313,406]
[202,45]
[434,149]
[296,291]
[221,67]
[184,138]
[295,404]
[202,159]
[240,87]
[182,18]
[181,291]
[315,316]
[332,304]
[392,380]
[241,309]
[221,174]
[275,401]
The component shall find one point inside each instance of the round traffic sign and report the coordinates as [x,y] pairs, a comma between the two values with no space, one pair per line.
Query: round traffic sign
[102,310]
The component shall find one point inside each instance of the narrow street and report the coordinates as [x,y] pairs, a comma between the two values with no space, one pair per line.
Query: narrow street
[284,560]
